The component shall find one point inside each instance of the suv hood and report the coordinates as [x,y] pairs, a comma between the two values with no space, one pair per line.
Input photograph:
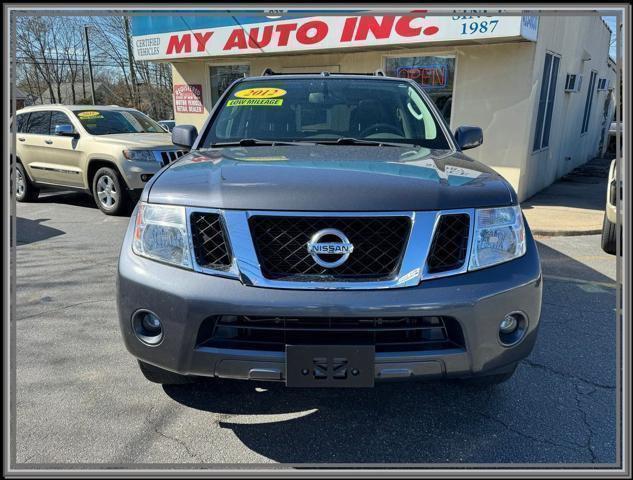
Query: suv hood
[329,178]
[138,140]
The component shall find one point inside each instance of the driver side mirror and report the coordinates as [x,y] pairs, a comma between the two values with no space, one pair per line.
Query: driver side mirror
[65,130]
[469,137]
[184,135]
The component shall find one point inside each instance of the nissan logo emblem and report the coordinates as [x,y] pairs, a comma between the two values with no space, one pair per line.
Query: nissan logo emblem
[343,247]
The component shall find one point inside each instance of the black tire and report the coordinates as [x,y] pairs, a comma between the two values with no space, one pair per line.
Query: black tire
[164,377]
[25,191]
[490,380]
[110,192]
[608,235]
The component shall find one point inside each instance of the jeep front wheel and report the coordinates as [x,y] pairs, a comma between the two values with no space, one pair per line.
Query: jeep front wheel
[109,192]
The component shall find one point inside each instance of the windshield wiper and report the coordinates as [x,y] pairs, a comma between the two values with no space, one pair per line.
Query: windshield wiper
[254,142]
[359,141]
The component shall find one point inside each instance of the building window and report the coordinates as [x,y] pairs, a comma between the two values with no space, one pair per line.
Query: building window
[434,74]
[222,76]
[603,84]
[546,102]
[588,102]
[573,82]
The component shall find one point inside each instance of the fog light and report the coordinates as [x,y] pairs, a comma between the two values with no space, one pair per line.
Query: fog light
[146,176]
[508,324]
[150,322]
[147,327]
[512,328]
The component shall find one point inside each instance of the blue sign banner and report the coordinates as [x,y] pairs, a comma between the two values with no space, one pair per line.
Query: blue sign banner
[155,24]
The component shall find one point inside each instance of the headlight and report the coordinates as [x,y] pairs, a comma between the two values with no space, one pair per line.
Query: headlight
[499,236]
[140,155]
[161,234]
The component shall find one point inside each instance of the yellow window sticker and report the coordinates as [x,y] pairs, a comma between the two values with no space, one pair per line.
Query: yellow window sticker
[261,92]
[89,114]
[254,102]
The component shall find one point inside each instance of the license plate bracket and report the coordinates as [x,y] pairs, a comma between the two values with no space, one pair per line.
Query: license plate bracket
[342,366]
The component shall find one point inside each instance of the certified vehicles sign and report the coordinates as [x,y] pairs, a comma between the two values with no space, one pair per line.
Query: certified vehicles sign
[254,36]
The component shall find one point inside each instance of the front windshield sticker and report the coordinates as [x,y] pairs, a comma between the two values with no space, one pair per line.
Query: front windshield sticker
[261,92]
[253,102]
[89,115]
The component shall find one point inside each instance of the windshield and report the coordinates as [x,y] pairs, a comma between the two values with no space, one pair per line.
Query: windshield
[325,110]
[107,122]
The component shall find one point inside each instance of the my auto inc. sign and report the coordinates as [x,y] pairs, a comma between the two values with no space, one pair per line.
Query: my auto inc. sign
[321,33]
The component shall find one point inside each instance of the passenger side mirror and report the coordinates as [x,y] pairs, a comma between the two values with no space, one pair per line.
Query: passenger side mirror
[469,137]
[65,130]
[184,135]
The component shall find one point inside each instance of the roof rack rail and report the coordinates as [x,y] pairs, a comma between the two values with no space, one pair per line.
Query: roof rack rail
[269,71]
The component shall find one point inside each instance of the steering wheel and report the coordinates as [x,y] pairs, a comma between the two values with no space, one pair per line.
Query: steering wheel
[382,128]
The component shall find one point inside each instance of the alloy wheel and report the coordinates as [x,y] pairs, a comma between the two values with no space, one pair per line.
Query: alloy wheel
[107,191]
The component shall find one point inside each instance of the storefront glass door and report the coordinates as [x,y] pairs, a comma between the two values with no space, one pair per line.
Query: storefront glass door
[222,76]
[434,73]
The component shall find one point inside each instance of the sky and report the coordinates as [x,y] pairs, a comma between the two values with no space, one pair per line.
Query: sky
[611,22]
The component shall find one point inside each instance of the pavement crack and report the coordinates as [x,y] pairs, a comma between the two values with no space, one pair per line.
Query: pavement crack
[566,375]
[567,445]
[65,307]
[169,437]
[583,415]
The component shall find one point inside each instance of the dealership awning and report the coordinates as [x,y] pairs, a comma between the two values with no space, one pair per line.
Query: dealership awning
[163,37]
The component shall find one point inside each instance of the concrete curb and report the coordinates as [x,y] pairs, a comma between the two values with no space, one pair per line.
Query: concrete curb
[566,233]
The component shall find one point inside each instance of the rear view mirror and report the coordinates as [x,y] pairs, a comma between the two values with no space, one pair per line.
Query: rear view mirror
[184,135]
[469,137]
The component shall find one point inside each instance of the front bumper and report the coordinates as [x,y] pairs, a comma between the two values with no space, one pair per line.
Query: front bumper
[183,299]
[137,174]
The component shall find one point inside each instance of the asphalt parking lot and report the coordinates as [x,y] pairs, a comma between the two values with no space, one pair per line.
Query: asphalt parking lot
[80,398]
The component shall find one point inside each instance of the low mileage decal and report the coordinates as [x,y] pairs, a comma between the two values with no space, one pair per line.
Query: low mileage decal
[253,102]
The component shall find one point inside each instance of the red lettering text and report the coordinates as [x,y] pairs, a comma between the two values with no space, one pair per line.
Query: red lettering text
[284,33]
[254,42]
[236,40]
[348,29]
[179,44]
[318,26]
[202,39]
[404,28]
[379,30]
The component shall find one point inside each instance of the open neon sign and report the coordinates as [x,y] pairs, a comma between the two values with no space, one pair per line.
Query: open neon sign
[429,76]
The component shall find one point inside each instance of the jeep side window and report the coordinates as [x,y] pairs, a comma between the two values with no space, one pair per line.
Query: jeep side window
[21,120]
[38,123]
[59,118]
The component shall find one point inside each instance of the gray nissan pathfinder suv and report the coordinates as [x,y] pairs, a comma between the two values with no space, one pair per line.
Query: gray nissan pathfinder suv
[327,231]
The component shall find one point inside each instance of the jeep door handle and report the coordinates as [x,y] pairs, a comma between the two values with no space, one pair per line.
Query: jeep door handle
[22,139]
[48,142]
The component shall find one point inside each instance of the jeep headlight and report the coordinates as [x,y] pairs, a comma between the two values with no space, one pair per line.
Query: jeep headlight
[140,155]
[160,233]
[498,236]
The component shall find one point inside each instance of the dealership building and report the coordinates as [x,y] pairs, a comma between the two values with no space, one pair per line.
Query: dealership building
[541,88]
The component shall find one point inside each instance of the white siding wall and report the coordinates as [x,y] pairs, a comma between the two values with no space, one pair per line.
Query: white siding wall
[573,38]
